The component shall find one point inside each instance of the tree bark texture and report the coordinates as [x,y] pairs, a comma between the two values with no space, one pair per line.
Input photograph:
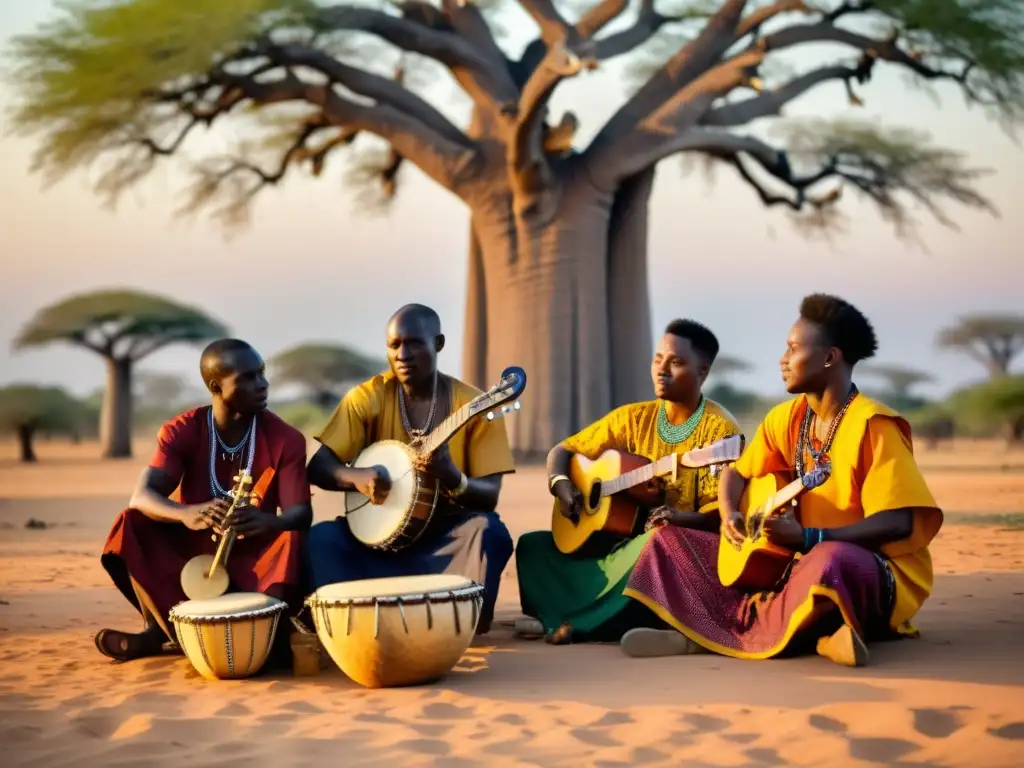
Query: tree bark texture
[541,295]
[116,416]
[568,301]
[25,434]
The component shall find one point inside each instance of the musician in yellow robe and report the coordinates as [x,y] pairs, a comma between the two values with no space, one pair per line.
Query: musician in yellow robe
[466,537]
[864,568]
[579,597]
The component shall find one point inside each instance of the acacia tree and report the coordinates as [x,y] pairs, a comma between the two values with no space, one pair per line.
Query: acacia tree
[323,369]
[899,379]
[993,340]
[557,277]
[122,327]
[27,408]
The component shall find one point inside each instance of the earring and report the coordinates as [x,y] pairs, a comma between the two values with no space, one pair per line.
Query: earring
[828,365]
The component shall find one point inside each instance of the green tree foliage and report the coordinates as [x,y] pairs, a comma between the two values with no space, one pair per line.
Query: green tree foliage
[997,404]
[26,409]
[323,370]
[994,340]
[122,327]
[126,81]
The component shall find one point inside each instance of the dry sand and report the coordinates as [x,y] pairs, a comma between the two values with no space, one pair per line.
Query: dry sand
[954,697]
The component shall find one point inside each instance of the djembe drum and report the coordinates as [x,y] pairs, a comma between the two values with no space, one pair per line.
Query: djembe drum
[230,636]
[398,631]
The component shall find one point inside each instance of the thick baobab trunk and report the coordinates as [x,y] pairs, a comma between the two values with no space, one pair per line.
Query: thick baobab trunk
[25,434]
[116,414]
[628,293]
[474,335]
[545,306]
[568,301]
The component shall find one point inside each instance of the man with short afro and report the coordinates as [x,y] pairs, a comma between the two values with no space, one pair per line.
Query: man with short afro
[862,534]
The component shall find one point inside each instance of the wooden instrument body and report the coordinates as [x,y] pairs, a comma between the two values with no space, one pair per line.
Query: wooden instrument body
[227,637]
[756,564]
[618,514]
[410,504]
[400,631]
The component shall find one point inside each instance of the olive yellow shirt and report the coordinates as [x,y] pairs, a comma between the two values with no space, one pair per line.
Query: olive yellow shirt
[370,412]
[873,470]
[633,429]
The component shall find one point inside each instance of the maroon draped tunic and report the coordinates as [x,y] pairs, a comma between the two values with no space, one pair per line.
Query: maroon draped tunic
[153,553]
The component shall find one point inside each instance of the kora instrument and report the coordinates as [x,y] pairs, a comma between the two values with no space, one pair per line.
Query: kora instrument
[227,637]
[206,576]
[405,630]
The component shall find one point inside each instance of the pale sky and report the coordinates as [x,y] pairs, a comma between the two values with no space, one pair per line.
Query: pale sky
[310,266]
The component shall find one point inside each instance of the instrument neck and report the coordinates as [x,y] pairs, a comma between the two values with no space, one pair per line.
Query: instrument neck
[663,466]
[444,431]
[784,496]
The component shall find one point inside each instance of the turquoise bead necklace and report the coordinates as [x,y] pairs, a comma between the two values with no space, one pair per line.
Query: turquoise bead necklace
[673,434]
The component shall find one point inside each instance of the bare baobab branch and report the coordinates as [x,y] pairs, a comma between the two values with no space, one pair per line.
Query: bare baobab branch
[466,19]
[553,26]
[667,130]
[485,84]
[770,102]
[694,59]
[381,89]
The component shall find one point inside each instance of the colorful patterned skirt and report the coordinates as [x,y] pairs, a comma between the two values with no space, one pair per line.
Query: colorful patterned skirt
[676,577]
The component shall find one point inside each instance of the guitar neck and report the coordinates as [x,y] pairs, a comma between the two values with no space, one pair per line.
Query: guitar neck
[646,473]
[444,431]
[784,496]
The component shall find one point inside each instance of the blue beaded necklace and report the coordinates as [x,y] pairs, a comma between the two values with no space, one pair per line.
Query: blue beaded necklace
[673,434]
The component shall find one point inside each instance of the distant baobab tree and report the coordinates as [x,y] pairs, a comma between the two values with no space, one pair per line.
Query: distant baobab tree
[557,272]
[122,327]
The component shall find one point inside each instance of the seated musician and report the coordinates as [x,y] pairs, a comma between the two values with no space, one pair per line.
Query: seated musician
[183,495]
[864,568]
[466,536]
[576,598]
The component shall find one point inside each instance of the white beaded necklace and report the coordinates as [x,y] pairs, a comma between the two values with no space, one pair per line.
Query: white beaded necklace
[216,489]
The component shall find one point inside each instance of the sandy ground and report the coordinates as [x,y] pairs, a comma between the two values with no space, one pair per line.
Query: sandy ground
[952,698]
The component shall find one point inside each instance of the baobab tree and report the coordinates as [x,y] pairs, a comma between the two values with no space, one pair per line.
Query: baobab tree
[557,272]
[122,327]
[994,340]
[323,370]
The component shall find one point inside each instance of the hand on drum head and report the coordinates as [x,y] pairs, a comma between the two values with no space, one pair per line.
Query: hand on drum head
[374,483]
[212,514]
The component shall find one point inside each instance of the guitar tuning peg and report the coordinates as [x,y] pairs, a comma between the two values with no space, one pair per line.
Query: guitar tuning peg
[490,416]
[516,405]
[504,409]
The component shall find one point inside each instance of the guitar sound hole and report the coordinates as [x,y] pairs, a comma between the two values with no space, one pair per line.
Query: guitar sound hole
[594,497]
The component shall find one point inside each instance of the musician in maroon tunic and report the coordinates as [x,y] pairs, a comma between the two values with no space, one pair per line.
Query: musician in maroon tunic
[183,495]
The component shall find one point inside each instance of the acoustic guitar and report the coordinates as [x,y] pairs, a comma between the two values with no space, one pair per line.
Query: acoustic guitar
[406,513]
[618,487]
[756,564]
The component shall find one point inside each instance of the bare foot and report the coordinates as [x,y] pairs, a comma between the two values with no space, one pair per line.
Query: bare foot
[126,646]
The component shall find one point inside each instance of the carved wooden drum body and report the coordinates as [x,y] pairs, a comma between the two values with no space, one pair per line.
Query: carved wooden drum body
[397,631]
[230,636]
